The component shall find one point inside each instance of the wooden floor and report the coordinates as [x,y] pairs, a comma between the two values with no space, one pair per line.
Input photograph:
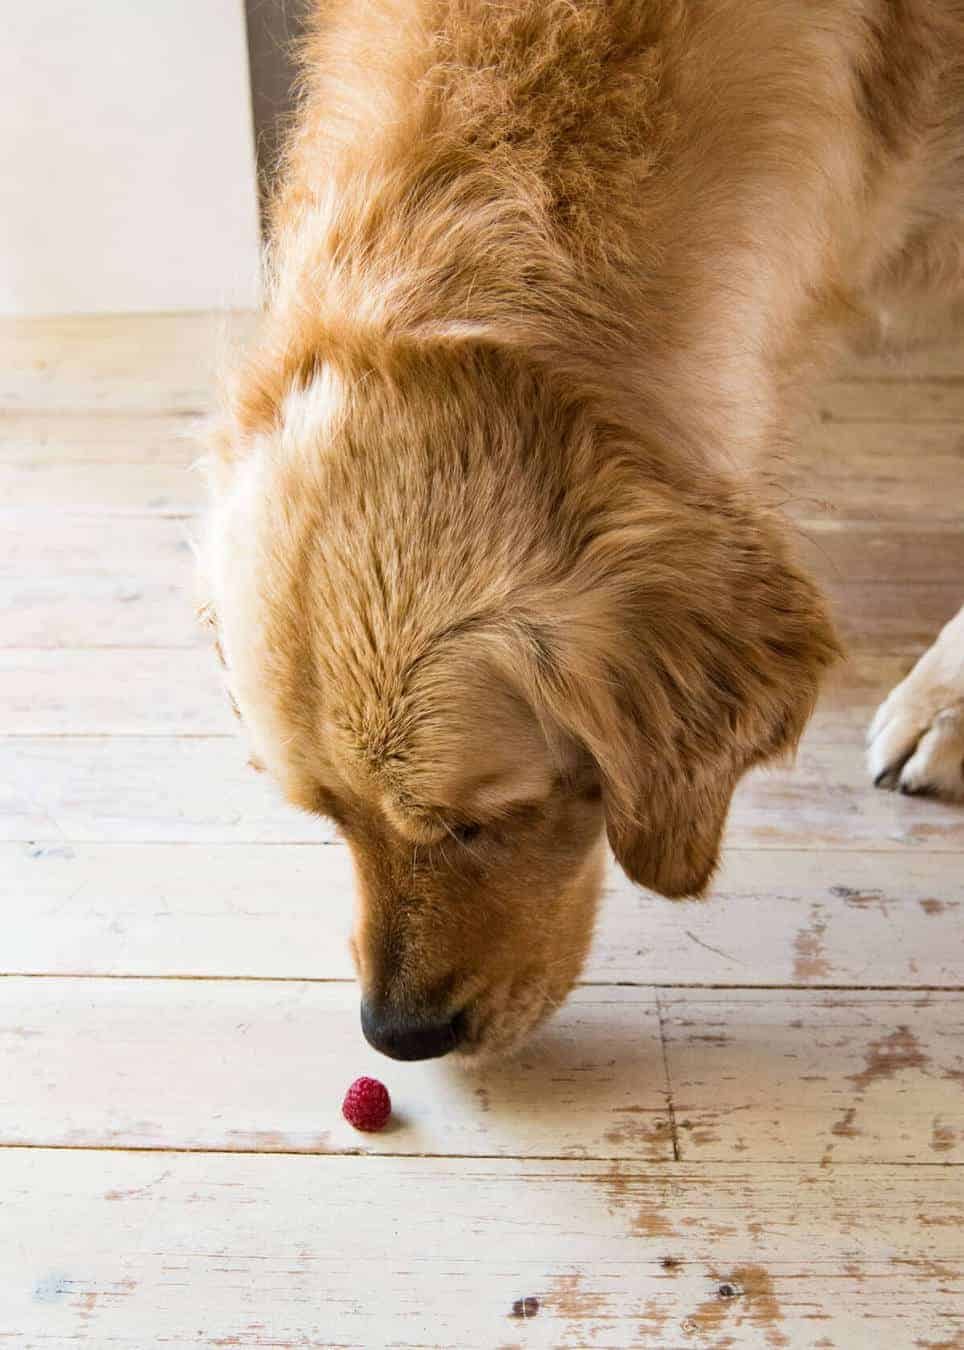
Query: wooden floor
[745,1129]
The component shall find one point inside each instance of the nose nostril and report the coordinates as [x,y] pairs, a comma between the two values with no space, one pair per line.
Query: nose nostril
[409,1038]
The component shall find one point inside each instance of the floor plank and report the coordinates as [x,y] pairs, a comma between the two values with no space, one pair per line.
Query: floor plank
[165,693]
[114,362]
[892,400]
[189,1064]
[815,1077]
[796,918]
[820,486]
[77,580]
[764,1076]
[894,554]
[869,483]
[28,438]
[114,693]
[143,788]
[126,1250]
[80,581]
[70,690]
[932,360]
[183,789]
[103,490]
[824,800]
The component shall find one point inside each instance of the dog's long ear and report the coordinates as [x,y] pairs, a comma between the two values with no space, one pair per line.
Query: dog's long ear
[683,648]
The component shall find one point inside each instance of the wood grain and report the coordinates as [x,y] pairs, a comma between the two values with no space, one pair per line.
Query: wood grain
[890,554]
[120,363]
[143,788]
[168,693]
[909,402]
[226,1065]
[199,790]
[792,918]
[103,490]
[154,789]
[800,1076]
[807,1077]
[72,581]
[830,482]
[125,1250]
[937,359]
[68,690]
[51,436]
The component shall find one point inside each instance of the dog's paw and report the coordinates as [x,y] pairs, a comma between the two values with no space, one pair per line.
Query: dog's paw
[916,740]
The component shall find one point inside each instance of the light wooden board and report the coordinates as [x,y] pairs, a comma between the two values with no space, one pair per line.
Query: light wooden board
[812,917]
[73,690]
[113,692]
[198,790]
[68,579]
[801,1076]
[861,481]
[856,1077]
[58,590]
[249,1065]
[909,402]
[822,483]
[824,800]
[103,490]
[893,444]
[841,552]
[819,918]
[74,581]
[939,359]
[887,616]
[129,1250]
[874,494]
[147,361]
[51,436]
[109,608]
[143,788]
[156,363]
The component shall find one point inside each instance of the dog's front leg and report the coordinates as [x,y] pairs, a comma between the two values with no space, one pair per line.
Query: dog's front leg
[916,740]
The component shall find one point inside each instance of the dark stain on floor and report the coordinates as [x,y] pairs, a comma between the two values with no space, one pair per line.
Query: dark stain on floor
[888,1056]
[743,1298]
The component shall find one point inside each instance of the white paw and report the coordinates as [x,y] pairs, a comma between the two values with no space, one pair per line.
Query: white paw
[916,740]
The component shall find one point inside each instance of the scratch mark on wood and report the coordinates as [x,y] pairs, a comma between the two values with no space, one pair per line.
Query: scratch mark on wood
[717,951]
[845,1126]
[810,962]
[571,1300]
[943,1137]
[932,906]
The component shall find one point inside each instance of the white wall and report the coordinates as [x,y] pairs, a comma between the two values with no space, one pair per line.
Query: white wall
[127,177]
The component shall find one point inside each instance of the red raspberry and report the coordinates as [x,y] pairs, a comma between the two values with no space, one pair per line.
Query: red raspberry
[367,1104]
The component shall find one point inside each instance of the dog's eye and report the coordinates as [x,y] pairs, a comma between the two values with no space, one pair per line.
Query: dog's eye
[466,833]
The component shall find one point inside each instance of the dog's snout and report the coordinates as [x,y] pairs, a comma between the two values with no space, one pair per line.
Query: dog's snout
[401,1036]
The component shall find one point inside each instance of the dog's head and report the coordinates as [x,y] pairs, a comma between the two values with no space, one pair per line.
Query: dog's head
[480,634]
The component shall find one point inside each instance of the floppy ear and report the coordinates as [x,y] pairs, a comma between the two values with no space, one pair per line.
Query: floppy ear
[683,648]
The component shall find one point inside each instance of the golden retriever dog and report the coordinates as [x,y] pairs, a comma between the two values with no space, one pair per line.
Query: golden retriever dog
[490,552]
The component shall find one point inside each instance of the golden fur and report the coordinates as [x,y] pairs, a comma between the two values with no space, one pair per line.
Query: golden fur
[490,551]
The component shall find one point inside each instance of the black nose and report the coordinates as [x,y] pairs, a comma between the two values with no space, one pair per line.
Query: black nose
[402,1037]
